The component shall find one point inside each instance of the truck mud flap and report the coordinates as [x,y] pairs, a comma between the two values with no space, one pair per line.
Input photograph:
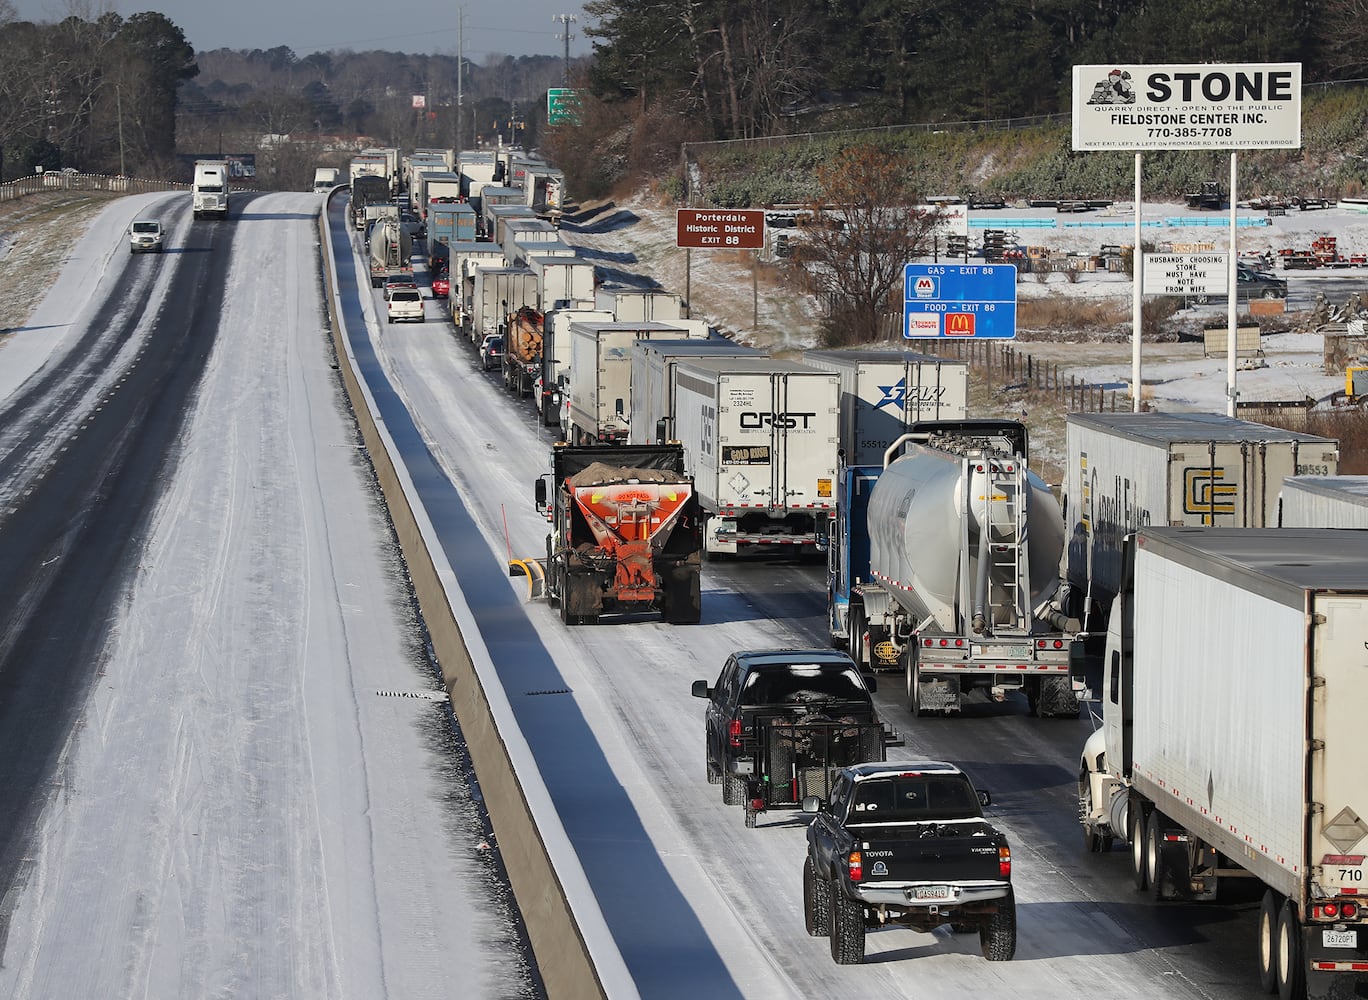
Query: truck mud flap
[535,571]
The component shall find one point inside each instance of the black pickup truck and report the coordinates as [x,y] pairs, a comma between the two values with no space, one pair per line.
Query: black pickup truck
[781,722]
[906,843]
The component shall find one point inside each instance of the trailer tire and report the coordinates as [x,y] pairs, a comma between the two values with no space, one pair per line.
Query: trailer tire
[1157,872]
[847,927]
[1268,942]
[1290,975]
[998,935]
[913,683]
[752,813]
[816,901]
[1135,833]
[733,790]
[1055,699]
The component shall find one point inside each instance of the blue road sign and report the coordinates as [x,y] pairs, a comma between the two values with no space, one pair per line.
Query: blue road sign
[959,301]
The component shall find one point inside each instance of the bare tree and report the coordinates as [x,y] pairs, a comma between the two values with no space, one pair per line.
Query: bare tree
[867,228]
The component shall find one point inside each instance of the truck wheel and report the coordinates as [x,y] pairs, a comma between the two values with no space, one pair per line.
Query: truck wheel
[816,902]
[1056,699]
[1291,975]
[752,813]
[855,646]
[1094,841]
[1268,942]
[733,790]
[681,597]
[1155,868]
[998,936]
[1135,833]
[714,772]
[913,685]
[846,927]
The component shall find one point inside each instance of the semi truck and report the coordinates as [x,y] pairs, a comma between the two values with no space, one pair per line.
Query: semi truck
[1129,470]
[449,221]
[522,357]
[463,259]
[497,293]
[760,437]
[555,376]
[625,533]
[601,377]
[391,251]
[1230,742]
[370,200]
[325,179]
[654,363]
[209,189]
[565,282]
[940,562]
[882,392]
[632,305]
[1324,502]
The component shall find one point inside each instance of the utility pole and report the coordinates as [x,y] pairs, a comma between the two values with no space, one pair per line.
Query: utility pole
[460,56]
[566,20]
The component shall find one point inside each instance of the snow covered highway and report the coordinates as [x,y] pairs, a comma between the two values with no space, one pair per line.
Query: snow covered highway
[233,802]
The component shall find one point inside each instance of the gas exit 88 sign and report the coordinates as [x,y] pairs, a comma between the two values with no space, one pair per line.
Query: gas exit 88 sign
[968,301]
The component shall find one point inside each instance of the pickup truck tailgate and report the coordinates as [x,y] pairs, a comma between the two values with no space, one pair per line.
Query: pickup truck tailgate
[932,851]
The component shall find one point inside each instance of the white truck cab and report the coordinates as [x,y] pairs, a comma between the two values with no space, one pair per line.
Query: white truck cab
[209,190]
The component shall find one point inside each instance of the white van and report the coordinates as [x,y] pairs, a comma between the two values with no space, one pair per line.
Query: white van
[209,190]
[325,179]
[145,235]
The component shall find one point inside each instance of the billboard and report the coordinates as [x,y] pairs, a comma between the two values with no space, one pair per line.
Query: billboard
[1187,106]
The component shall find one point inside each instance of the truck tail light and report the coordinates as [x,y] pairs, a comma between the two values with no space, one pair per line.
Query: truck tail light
[855,862]
[1005,861]
[734,732]
[1335,911]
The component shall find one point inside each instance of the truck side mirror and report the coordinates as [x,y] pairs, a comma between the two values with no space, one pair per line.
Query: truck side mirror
[872,684]
[812,804]
[984,798]
[700,689]
[540,488]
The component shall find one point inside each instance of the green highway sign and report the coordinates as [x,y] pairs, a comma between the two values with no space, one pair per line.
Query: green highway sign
[562,106]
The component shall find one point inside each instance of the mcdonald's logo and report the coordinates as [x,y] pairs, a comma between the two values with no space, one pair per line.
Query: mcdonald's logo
[959,324]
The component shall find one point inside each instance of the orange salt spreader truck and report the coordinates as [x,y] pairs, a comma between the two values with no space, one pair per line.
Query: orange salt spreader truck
[626,533]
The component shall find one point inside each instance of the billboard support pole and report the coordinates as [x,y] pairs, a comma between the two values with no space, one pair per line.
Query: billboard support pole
[1136,271]
[1231,393]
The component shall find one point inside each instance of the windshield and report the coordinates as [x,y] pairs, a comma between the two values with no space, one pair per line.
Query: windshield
[908,798]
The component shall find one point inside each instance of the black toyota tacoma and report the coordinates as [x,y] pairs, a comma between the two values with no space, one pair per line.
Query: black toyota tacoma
[906,843]
[781,722]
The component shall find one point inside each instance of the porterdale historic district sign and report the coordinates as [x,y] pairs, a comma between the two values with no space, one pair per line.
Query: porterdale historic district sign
[1200,106]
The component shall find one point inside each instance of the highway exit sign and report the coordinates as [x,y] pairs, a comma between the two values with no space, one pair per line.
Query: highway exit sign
[970,301]
[562,106]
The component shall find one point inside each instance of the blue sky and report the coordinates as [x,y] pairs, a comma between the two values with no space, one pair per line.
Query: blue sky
[512,27]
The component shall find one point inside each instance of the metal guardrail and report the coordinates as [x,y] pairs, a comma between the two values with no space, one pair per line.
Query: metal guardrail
[63,180]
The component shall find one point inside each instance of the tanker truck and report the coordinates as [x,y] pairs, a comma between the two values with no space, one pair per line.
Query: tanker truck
[942,562]
[522,359]
[391,251]
[626,533]
[1231,743]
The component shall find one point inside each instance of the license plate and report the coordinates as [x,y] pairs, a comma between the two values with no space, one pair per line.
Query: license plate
[1339,939]
[929,892]
[1003,652]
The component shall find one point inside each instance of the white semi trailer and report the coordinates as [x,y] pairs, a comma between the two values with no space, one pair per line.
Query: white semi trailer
[759,437]
[882,392]
[1324,502]
[1231,737]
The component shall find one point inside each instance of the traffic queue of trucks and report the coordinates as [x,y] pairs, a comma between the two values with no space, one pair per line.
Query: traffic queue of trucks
[1194,578]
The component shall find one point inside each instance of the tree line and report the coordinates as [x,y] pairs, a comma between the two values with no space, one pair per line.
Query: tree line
[131,96]
[742,68]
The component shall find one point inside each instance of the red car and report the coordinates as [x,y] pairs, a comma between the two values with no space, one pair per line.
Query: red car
[441,286]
